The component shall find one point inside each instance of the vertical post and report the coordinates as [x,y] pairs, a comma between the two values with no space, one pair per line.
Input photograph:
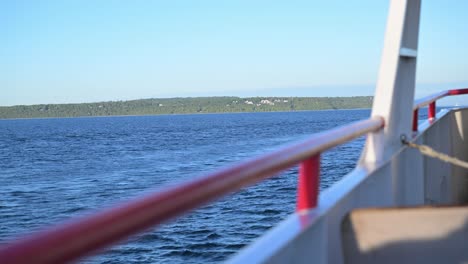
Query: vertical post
[394,94]
[415,120]
[432,110]
[308,186]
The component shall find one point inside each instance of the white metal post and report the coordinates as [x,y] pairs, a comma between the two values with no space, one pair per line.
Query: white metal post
[394,94]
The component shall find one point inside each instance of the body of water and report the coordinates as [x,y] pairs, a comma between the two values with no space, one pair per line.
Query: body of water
[53,169]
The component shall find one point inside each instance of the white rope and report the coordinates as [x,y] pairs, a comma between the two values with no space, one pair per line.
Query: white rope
[430,152]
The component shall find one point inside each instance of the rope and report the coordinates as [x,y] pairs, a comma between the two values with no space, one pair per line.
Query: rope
[430,152]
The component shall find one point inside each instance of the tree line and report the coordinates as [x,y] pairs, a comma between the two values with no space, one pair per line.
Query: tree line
[158,106]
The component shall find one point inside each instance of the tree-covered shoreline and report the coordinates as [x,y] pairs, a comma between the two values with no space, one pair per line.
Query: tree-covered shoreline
[190,105]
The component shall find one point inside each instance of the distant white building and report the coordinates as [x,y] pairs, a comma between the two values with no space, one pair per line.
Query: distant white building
[267,102]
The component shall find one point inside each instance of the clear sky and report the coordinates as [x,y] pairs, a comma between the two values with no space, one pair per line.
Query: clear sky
[85,51]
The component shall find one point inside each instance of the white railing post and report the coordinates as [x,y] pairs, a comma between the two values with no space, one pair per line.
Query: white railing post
[394,94]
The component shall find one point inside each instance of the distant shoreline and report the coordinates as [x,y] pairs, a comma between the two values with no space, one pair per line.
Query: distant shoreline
[193,105]
[103,116]
[176,114]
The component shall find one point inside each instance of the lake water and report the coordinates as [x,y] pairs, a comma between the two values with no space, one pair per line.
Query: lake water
[52,169]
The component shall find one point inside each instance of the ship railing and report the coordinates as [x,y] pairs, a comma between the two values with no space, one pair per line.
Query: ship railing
[430,101]
[84,236]
[81,237]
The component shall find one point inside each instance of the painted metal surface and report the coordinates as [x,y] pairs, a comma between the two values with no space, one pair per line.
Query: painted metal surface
[308,187]
[78,238]
[434,97]
[394,94]
[458,91]
[430,100]
[415,119]
[409,53]
[432,110]
[459,175]
[423,234]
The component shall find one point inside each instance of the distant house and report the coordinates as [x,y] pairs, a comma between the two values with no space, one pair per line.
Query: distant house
[267,102]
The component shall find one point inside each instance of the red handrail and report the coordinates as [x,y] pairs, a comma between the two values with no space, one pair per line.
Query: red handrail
[78,238]
[431,101]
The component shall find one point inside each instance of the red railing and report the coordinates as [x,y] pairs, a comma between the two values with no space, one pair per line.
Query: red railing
[431,101]
[78,238]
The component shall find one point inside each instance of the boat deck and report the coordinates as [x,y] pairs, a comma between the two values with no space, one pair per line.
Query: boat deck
[406,235]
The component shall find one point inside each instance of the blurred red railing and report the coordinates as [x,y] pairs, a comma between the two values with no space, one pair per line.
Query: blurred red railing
[84,236]
[431,101]
[75,239]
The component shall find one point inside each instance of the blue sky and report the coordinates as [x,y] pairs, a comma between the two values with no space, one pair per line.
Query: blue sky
[85,51]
